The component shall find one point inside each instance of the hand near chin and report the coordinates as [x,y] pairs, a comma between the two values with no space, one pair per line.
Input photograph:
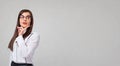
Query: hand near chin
[21,30]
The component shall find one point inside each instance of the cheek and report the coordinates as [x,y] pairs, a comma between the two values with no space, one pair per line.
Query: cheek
[20,22]
[29,22]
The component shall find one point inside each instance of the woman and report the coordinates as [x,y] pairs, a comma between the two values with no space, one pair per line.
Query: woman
[24,41]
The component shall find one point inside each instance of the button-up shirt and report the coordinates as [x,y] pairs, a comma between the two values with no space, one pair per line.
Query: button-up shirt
[23,49]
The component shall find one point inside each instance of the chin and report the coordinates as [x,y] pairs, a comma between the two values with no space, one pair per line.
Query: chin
[23,26]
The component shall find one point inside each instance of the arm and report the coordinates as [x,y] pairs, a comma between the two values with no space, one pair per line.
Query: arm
[27,49]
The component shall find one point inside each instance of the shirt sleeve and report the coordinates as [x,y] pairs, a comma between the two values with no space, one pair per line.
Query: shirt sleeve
[27,48]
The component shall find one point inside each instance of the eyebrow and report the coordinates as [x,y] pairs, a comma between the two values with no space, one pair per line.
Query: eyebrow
[23,15]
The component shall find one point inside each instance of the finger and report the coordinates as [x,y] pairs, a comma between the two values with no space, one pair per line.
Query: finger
[18,27]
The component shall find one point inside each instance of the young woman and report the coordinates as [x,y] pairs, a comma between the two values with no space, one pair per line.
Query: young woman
[24,41]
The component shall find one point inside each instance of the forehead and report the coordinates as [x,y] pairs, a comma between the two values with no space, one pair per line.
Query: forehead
[25,14]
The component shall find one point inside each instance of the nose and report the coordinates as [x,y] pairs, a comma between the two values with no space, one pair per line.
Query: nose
[25,18]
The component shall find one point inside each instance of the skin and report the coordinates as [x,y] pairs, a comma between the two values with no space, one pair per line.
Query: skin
[24,23]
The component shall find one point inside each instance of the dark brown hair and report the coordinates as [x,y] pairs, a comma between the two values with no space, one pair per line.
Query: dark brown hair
[29,29]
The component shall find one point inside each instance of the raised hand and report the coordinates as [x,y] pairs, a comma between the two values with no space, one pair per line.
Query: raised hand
[21,30]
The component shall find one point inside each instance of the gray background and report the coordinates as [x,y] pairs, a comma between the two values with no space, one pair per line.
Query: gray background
[72,32]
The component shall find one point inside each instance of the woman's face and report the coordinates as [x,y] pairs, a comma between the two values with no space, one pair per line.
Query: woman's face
[25,19]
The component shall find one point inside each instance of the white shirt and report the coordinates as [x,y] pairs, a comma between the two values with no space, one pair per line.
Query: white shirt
[23,50]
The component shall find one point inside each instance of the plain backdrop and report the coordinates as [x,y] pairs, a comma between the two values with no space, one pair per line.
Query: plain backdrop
[72,32]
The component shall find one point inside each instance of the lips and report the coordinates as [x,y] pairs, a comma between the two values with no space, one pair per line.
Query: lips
[24,23]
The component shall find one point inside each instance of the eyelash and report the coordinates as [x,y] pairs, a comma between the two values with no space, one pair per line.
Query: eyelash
[27,17]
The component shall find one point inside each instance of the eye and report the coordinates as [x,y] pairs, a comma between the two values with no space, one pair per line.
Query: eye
[28,17]
[21,16]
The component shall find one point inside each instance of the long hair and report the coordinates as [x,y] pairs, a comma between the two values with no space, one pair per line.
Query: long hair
[29,29]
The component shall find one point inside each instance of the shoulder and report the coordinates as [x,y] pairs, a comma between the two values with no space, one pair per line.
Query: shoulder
[35,34]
